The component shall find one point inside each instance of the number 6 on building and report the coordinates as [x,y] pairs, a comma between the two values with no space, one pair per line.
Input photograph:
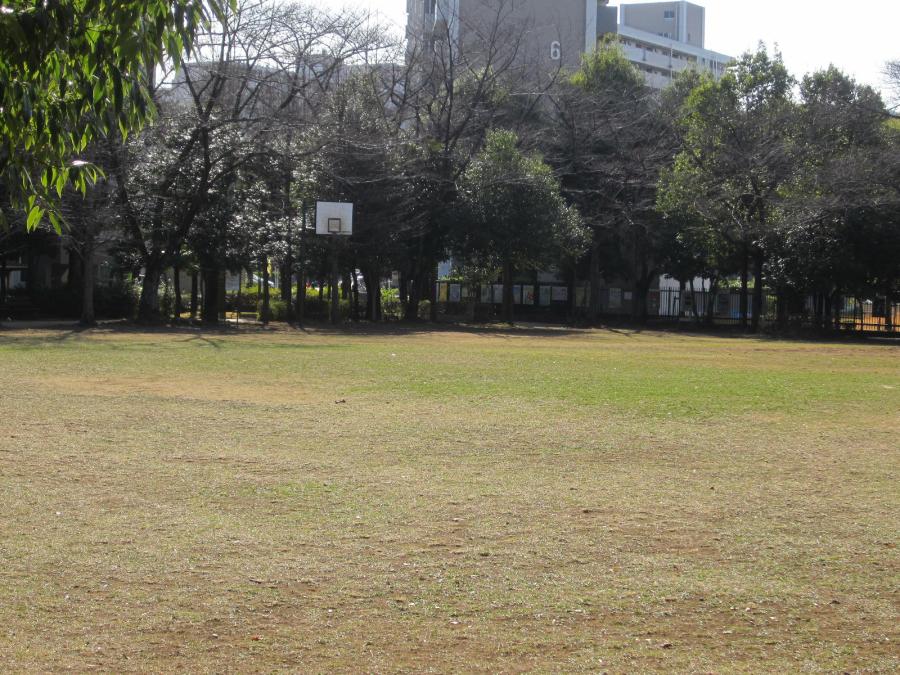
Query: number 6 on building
[555,50]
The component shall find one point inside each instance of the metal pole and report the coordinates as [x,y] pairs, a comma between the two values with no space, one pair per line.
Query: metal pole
[335,302]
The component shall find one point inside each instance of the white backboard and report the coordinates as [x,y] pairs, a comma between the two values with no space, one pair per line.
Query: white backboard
[334,218]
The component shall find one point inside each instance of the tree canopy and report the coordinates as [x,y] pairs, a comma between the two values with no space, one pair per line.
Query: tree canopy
[72,71]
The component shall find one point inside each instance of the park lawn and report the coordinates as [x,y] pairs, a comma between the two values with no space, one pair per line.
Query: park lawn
[458,500]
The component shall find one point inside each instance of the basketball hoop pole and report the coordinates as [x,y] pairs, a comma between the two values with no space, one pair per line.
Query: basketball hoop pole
[334,219]
[335,305]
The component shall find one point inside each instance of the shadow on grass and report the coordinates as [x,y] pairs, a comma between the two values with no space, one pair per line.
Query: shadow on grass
[48,333]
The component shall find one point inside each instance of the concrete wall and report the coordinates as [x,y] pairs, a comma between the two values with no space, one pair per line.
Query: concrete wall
[686,23]
[607,20]
[546,34]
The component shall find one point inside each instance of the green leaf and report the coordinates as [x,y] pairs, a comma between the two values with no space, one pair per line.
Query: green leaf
[54,220]
[34,217]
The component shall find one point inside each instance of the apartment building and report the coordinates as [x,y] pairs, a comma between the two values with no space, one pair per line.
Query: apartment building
[660,38]
[664,38]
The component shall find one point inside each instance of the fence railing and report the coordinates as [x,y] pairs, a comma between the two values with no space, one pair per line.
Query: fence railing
[555,301]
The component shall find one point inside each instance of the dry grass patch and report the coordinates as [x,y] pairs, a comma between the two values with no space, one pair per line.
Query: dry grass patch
[482,500]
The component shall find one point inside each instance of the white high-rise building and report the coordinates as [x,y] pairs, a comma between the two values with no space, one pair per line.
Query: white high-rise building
[660,38]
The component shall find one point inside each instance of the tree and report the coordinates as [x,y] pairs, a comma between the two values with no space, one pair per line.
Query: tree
[738,155]
[892,72]
[843,154]
[90,224]
[74,71]
[258,73]
[609,145]
[453,93]
[515,218]
[364,158]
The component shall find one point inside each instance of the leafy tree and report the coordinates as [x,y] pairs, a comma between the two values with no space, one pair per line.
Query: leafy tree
[611,143]
[737,157]
[841,149]
[515,217]
[90,219]
[73,71]
[259,72]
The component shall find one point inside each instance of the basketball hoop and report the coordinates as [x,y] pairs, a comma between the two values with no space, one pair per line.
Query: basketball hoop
[334,219]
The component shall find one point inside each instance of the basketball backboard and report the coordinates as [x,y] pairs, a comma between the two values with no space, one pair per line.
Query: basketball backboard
[334,218]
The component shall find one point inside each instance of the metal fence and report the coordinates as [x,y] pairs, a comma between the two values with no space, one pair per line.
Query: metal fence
[556,302]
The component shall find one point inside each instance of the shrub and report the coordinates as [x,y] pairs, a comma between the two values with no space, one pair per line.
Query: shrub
[118,300]
[391,307]
[278,310]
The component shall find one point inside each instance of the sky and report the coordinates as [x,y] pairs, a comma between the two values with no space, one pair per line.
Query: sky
[857,36]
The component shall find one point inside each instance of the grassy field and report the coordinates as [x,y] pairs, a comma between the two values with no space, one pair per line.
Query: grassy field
[498,501]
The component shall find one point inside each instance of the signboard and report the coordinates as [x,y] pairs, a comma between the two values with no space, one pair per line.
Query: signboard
[544,294]
[581,296]
[334,219]
[527,295]
[723,304]
[498,294]
[455,293]
[615,298]
[560,294]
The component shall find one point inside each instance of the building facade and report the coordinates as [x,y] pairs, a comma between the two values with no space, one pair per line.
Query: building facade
[660,38]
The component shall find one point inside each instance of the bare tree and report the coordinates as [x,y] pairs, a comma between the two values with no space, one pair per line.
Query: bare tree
[253,76]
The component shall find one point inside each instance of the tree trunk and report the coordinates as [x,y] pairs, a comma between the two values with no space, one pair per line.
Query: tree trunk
[370,294]
[433,310]
[757,309]
[220,303]
[300,304]
[837,306]
[594,306]
[75,269]
[411,310]
[355,293]
[372,278]
[4,280]
[195,291]
[639,303]
[695,310]
[403,290]
[745,275]
[148,305]
[211,296]
[710,317]
[508,291]
[285,275]
[379,309]
[781,308]
[88,317]
[817,309]
[571,280]
[888,308]
[265,290]
[176,283]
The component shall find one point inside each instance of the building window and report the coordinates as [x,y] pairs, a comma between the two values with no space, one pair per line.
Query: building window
[669,14]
